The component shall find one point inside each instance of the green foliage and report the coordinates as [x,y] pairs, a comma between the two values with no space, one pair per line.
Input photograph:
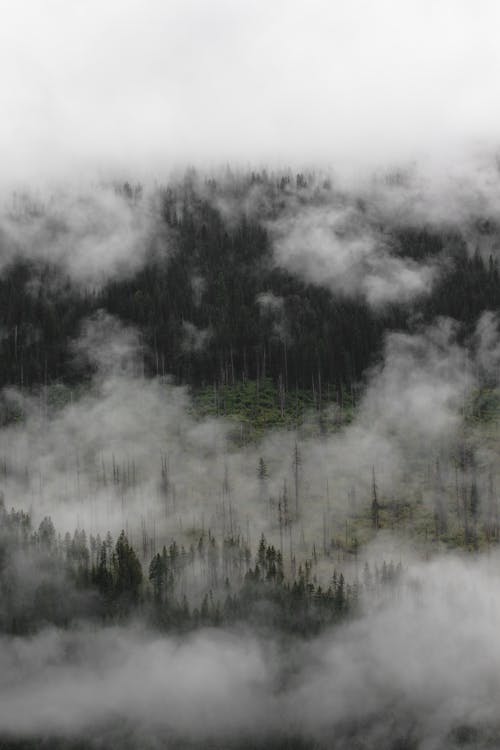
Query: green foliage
[483,406]
[257,406]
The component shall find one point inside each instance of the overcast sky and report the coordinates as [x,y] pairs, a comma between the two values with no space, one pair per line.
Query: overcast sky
[144,84]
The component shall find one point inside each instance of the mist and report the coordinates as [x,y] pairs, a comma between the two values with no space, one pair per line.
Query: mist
[90,233]
[100,461]
[329,248]
[150,87]
[423,669]
[249,375]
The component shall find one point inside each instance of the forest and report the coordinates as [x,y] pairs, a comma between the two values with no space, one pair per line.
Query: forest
[249,375]
[249,464]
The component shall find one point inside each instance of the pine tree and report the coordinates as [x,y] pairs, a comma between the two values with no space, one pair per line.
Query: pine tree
[127,570]
[375,509]
[297,460]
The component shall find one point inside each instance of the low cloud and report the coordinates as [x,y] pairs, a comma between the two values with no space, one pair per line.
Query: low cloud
[132,450]
[272,309]
[347,84]
[337,248]
[422,669]
[194,339]
[89,234]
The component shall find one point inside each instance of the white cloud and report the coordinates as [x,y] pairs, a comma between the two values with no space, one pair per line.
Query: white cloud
[90,234]
[152,83]
[337,248]
[420,667]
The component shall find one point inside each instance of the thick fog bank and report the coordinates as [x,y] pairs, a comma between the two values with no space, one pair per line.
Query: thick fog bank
[151,84]
[422,670]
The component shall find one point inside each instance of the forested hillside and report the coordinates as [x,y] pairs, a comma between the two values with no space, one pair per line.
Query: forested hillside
[213,302]
[244,408]
[249,375]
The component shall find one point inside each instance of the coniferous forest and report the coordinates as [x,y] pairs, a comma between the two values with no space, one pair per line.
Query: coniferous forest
[207,446]
[249,375]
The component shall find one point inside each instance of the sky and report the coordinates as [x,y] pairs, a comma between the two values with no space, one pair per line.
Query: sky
[148,85]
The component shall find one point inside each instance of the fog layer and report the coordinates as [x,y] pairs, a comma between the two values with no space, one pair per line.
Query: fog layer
[421,668]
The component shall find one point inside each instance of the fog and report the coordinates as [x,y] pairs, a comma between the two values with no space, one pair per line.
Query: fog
[343,236]
[335,127]
[422,670]
[90,232]
[131,452]
[152,85]
[333,249]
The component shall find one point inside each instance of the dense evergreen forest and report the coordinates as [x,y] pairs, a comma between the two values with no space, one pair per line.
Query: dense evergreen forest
[199,298]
